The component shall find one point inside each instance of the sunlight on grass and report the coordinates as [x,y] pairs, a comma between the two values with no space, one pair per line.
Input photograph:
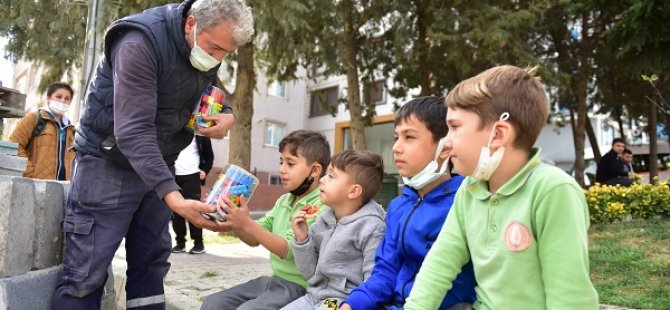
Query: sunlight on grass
[220,238]
[630,263]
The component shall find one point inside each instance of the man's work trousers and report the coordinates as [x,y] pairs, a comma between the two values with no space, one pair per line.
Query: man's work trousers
[105,204]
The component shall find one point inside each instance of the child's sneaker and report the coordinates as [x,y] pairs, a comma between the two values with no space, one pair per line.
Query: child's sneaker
[179,248]
[197,249]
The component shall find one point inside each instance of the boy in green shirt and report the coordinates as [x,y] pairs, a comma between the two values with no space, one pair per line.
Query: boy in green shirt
[304,156]
[523,223]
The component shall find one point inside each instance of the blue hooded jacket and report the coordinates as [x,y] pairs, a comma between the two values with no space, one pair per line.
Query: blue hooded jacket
[412,225]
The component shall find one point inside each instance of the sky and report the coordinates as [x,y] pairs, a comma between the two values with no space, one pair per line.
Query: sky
[6,67]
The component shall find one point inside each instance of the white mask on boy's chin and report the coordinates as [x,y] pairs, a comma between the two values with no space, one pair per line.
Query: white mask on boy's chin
[489,162]
[430,173]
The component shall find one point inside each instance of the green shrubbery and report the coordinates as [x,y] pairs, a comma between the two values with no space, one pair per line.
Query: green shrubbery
[609,204]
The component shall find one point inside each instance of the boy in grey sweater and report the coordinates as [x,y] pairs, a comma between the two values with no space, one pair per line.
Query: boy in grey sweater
[337,253]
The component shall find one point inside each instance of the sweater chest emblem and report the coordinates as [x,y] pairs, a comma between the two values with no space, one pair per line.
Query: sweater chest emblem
[517,237]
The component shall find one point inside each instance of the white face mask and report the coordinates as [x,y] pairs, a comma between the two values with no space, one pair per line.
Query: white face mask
[58,107]
[488,163]
[430,173]
[200,59]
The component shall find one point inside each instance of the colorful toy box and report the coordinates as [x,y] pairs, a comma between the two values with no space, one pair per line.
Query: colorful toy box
[233,182]
[211,103]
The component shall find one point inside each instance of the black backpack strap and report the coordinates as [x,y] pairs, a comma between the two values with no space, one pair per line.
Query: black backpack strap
[39,127]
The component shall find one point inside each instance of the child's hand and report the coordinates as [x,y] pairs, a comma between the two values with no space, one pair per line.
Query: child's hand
[237,217]
[299,225]
[345,307]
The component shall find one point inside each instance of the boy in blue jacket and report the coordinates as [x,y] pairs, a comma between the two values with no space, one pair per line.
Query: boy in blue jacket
[414,218]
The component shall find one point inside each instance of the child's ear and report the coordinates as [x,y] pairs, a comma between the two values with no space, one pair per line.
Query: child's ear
[503,135]
[444,153]
[317,171]
[355,191]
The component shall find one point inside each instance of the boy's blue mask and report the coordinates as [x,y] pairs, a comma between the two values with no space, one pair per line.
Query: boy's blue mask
[430,173]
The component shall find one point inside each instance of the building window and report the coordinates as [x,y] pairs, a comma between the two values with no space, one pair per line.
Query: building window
[274,180]
[376,94]
[323,101]
[277,89]
[273,133]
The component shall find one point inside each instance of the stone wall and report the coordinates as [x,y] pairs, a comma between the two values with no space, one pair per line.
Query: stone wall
[31,243]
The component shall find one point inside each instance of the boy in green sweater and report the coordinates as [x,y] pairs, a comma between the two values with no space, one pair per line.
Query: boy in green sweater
[305,154]
[523,223]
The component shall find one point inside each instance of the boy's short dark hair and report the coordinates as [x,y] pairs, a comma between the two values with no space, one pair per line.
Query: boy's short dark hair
[618,140]
[505,89]
[627,151]
[58,85]
[364,168]
[429,110]
[310,144]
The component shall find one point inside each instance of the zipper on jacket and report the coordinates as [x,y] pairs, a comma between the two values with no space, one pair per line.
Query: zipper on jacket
[404,228]
[61,150]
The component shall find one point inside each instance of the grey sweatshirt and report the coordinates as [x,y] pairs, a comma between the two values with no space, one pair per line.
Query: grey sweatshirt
[337,256]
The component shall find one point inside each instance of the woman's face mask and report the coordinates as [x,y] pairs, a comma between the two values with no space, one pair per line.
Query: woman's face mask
[430,173]
[58,107]
[488,163]
[200,59]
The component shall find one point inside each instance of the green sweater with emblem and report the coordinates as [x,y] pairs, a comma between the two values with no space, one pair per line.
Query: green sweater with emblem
[528,244]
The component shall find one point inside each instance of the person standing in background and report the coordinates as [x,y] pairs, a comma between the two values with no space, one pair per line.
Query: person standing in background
[191,169]
[45,137]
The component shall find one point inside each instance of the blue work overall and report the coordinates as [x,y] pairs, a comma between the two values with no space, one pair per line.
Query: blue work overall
[105,204]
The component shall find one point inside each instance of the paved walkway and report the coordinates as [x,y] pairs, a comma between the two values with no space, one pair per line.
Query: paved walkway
[194,277]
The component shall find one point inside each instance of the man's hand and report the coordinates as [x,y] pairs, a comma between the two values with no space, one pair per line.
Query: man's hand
[222,123]
[191,210]
[299,225]
[237,217]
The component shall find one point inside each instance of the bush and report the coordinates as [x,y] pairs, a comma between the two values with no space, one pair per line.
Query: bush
[609,204]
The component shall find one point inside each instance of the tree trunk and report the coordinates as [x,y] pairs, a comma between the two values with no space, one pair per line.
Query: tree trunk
[423,49]
[353,86]
[619,121]
[242,101]
[653,145]
[592,139]
[579,133]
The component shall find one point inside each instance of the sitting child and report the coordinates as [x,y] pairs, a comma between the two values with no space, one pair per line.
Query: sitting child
[304,156]
[523,223]
[414,218]
[338,252]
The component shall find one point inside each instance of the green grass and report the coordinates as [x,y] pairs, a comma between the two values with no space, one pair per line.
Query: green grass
[630,263]
[209,274]
[220,238]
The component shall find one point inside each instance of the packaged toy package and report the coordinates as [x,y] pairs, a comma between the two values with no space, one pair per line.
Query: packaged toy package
[211,103]
[233,182]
